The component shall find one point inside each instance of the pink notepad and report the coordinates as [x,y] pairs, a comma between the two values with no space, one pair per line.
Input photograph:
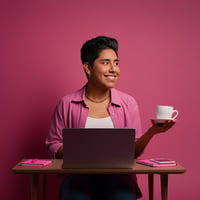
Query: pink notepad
[163,160]
[152,163]
[36,162]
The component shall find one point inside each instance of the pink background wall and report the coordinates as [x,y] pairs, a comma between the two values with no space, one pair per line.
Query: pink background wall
[39,63]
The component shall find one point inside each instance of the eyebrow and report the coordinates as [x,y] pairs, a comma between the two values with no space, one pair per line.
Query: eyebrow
[116,60]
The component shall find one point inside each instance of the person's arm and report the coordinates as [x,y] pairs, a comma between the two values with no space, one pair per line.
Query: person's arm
[54,137]
[142,142]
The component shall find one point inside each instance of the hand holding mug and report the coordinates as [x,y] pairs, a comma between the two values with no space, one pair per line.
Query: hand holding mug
[164,114]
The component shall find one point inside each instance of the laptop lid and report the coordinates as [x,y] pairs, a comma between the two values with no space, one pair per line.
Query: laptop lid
[98,148]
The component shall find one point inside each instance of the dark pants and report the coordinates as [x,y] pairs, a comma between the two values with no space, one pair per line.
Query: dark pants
[97,187]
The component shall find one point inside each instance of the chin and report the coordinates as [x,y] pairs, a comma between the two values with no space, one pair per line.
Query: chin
[110,85]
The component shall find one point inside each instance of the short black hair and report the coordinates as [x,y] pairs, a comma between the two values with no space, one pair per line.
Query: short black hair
[92,48]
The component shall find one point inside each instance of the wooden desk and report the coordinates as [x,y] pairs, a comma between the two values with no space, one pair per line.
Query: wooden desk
[56,168]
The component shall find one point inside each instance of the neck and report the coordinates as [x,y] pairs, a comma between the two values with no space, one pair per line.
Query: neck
[96,95]
[96,101]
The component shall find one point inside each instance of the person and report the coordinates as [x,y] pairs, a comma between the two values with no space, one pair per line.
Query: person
[98,104]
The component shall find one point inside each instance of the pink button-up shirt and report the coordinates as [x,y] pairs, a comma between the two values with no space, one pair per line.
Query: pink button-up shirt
[72,112]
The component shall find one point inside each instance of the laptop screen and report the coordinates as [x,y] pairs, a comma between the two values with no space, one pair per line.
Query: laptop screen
[98,148]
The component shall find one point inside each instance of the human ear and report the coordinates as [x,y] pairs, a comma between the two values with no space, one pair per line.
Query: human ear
[87,69]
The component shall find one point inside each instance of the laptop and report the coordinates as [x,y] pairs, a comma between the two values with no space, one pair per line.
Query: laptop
[98,148]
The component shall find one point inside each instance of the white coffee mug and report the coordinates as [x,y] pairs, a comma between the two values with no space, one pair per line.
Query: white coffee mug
[166,112]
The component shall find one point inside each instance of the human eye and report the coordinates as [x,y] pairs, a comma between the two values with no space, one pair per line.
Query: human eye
[105,62]
[116,63]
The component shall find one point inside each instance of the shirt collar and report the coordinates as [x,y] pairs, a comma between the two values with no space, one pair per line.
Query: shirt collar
[79,96]
[115,98]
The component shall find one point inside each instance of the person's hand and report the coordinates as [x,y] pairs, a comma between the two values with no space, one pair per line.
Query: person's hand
[59,153]
[160,128]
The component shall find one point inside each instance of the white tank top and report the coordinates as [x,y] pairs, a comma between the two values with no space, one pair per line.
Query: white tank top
[99,122]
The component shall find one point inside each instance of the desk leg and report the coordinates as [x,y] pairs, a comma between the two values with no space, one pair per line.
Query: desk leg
[151,186]
[43,186]
[34,186]
[164,186]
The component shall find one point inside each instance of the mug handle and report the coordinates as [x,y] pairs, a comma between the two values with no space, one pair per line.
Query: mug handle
[176,114]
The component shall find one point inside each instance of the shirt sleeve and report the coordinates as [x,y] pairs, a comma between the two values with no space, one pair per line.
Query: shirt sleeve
[54,138]
[133,118]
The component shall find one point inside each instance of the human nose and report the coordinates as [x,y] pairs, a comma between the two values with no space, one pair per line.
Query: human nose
[112,67]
